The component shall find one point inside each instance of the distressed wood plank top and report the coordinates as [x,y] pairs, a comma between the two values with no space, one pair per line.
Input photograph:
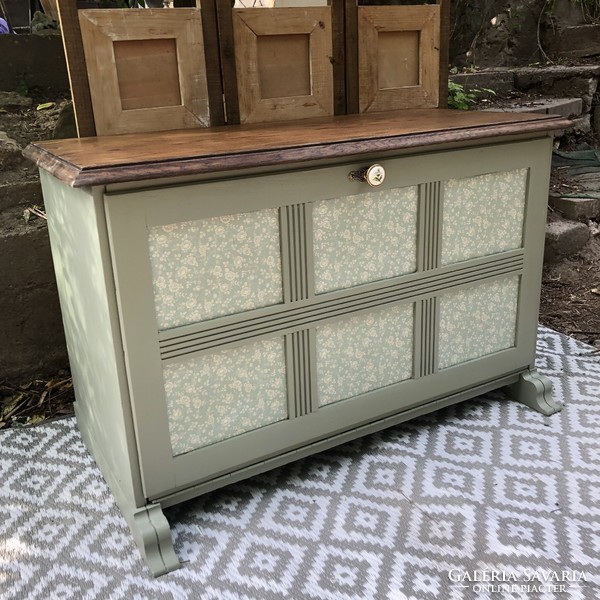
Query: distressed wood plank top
[135,157]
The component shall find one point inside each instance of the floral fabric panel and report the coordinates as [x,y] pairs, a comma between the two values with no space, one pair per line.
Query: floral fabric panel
[216,396]
[364,352]
[363,238]
[477,321]
[483,215]
[213,267]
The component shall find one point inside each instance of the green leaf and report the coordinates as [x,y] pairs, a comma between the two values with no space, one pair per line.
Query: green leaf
[46,105]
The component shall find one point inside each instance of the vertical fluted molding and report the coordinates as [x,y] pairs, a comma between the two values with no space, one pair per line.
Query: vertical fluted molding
[428,315]
[296,236]
[428,258]
[430,226]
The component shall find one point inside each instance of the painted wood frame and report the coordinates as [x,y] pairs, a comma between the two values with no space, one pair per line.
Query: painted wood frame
[130,214]
[398,53]
[283,60]
[146,69]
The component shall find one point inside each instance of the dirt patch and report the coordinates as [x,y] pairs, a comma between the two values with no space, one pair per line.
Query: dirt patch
[30,124]
[36,401]
[27,125]
[570,298]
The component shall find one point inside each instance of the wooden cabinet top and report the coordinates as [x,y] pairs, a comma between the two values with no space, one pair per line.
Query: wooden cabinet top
[141,156]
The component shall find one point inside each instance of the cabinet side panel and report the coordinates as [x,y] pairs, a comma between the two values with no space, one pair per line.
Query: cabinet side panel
[87,298]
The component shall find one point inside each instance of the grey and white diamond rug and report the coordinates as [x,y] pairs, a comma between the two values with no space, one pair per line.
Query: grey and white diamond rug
[484,500]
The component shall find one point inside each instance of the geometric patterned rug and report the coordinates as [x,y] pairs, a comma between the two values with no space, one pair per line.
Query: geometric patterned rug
[484,500]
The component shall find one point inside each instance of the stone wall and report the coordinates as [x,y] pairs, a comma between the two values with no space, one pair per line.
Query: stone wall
[30,61]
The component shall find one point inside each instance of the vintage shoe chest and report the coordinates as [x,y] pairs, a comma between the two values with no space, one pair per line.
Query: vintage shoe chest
[236,298]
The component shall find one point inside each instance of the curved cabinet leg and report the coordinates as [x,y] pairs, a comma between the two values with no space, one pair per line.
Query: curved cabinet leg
[534,390]
[152,535]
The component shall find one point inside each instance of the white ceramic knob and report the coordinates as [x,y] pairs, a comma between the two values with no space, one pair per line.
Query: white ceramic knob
[373,175]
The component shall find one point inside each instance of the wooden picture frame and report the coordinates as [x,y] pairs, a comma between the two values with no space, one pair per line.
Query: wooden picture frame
[398,57]
[146,69]
[283,60]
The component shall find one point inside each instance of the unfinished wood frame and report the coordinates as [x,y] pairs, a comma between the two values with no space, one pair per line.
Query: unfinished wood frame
[146,69]
[283,60]
[398,57]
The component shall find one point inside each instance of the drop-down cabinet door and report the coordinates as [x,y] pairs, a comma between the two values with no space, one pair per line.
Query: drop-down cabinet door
[260,314]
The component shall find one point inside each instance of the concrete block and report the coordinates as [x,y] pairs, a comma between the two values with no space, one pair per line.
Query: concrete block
[565,107]
[576,209]
[564,238]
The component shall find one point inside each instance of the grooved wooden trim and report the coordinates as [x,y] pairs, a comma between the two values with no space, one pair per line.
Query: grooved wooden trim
[299,373]
[295,244]
[429,317]
[237,329]
[135,157]
[76,67]
[286,253]
[297,213]
[430,228]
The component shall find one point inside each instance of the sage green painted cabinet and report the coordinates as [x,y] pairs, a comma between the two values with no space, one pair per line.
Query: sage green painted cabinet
[243,321]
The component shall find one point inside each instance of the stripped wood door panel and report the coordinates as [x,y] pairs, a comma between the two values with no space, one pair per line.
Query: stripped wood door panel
[146,69]
[283,63]
[398,54]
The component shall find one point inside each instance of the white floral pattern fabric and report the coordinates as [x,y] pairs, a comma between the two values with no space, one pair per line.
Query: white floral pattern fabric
[364,352]
[216,396]
[213,267]
[364,238]
[483,215]
[477,321]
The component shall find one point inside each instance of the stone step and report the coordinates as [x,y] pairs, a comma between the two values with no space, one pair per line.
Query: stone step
[560,81]
[576,209]
[499,80]
[20,194]
[565,107]
[564,238]
[577,41]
